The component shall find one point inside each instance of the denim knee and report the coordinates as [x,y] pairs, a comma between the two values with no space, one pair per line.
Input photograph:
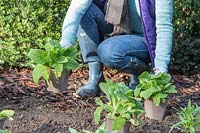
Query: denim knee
[109,56]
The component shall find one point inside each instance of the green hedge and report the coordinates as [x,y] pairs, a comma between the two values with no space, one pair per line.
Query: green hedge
[27,24]
[186,49]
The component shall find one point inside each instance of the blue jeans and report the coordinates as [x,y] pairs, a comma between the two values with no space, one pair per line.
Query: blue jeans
[117,52]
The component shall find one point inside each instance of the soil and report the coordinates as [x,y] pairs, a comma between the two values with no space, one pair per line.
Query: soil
[40,111]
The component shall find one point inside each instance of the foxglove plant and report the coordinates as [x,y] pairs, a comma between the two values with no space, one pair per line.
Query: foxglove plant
[120,105]
[189,119]
[53,56]
[154,87]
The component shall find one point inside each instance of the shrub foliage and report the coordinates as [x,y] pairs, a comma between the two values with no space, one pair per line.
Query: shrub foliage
[186,36]
[27,24]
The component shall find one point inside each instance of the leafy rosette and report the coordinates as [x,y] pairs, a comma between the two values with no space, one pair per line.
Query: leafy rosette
[154,87]
[119,104]
[53,56]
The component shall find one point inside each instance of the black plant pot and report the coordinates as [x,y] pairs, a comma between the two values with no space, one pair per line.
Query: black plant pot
[57,85]
[155,112]
[2,123]
[124,129]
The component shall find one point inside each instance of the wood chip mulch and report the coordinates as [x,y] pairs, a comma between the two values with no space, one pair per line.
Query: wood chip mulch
[17,83]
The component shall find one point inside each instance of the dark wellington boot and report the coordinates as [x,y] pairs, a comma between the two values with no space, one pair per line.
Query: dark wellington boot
[135,67]
[133,82]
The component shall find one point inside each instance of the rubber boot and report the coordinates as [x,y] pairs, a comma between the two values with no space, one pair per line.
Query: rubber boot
[95,77]
[133,82]
[135,68]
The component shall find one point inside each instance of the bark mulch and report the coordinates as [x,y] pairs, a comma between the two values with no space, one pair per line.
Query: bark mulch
[40,111]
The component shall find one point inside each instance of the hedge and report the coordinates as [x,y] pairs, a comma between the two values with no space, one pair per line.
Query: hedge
[27,24]
[186,49]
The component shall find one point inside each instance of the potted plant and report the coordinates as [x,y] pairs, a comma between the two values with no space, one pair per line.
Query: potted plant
[5,114]
[189,119]
[121,107]
[155,90]
[53,63]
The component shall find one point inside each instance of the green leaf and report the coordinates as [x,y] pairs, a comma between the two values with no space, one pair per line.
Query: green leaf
[97,114]
[58,67]
[171,89]
[69,52]
[49,58]
[167,85]
[145,75]
[41,71]
[52,44]
[101,128]
[139,104]
[121,109]
[100,131]
[105,88]
[192,130]
[133,121]
[71,64]
[2,42]
[129,93]
[62,59]
[156,75]
[137,90]
[49,47]
[73,130]
[198,125]
[109,109]
[118,123]
[98,101]
[86,131]
[146,94]
[5,131]
[6,114]
[161,95]
[175,125]
[37,56]
[166,78]
[156,100]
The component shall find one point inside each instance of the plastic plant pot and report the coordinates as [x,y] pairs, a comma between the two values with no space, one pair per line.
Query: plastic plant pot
[1,123]
[155,112]
[124,129]
[58,85]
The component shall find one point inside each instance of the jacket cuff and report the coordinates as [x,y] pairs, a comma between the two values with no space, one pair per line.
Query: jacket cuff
[65,43]
[157,70]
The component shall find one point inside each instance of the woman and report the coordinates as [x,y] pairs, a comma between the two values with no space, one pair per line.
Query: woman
[138,32]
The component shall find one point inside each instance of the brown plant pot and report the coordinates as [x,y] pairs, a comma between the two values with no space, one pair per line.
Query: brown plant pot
[57,85]
[155,112]
[2,123]
[124,129]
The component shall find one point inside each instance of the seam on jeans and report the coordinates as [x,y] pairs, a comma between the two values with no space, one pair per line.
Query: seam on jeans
[128,64]
[128,53]
[89,26]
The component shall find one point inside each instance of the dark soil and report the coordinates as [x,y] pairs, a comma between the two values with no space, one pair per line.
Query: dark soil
[39,111]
